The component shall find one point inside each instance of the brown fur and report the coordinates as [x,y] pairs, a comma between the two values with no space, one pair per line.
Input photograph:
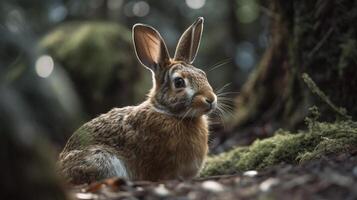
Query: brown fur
[165,137]
[154,145]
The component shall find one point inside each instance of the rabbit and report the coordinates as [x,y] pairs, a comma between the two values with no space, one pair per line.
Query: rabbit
[166,136]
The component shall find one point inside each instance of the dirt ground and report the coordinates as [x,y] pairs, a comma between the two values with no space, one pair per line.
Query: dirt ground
[330,177]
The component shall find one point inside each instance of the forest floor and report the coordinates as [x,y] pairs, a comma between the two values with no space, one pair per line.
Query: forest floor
[329,177]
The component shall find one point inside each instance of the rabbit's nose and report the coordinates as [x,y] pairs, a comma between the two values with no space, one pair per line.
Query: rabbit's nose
[211,102]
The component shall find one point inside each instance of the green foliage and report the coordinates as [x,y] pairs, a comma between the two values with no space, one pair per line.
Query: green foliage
[224,163]
[92,48]
[100,60]
[321,138]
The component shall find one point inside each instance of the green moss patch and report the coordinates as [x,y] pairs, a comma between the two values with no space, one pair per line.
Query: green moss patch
[100,59]
[93,49]
[320,139]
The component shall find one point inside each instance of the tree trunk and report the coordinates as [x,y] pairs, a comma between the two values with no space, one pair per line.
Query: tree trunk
[313,37]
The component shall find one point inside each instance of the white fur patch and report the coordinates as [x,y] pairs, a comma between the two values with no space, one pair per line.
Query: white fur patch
[119,167]
[174,75]
[162,111]
[112,163]
[190,92]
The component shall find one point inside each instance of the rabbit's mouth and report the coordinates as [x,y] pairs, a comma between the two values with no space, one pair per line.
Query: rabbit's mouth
[204,104]
[211,107]
[198,110]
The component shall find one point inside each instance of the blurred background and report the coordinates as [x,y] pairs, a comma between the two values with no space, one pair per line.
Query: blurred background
[64,62]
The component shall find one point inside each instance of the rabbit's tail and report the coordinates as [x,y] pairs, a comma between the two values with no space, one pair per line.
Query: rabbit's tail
[92,164]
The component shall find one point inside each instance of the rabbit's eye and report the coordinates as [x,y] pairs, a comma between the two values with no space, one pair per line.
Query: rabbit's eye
[179,82]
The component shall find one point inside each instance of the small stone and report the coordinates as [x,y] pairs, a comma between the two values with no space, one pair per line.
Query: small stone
[212,186]
[250,173]
[161,190]
[182,187]
[268,184]
[85,196]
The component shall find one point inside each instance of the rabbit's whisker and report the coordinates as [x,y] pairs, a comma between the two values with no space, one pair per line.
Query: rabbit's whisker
[227,93]
[223,87]
[220,114]
[220,64]
[185,115]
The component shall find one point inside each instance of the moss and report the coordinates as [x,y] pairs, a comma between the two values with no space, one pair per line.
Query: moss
[321,138]
[100,59]
[223,163]
[90,48]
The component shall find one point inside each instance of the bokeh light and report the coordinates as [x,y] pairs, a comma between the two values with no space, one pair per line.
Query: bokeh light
[247,11]
[58,13]
[141,9]
[245,55]
[195,4]
[44,66]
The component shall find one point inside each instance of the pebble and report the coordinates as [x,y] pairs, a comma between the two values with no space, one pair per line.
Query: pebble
[85,196]
[268,184]
[212,186]
[161,190]
[250,173]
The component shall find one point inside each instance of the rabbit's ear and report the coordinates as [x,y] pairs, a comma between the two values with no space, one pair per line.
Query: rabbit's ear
[149,46]
[189,42]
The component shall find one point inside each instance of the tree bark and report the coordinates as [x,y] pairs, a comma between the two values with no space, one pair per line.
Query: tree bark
[313,37]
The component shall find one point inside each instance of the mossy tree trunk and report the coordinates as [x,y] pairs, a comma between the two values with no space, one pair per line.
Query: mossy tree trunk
[99,59]
[315,37]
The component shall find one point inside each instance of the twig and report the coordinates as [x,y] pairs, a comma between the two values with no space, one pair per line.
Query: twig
[321,42]
[316,90]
